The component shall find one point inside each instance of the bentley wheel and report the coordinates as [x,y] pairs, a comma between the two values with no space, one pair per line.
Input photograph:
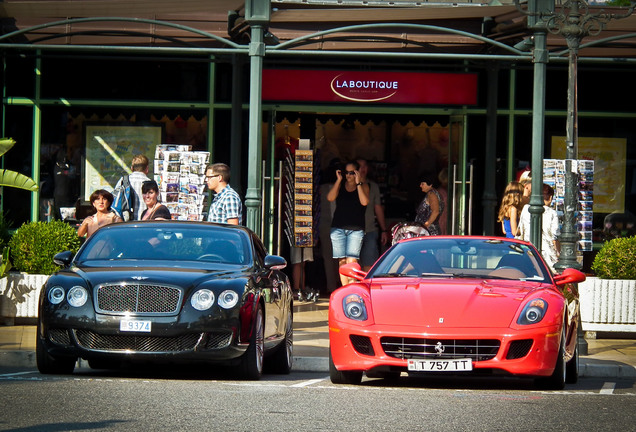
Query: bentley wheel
[343,377]
[252,362]
[281,361]
[556,381]
[48,364]
[572,367]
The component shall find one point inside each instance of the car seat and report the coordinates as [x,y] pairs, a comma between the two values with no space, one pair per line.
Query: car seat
[519,262]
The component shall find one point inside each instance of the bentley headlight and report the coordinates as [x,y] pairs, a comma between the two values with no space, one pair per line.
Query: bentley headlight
[354,307]
[202,299]
[228,299]
[533,312]
[77,296]
[56,295]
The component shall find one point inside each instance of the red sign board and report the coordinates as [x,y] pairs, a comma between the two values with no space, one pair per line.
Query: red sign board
[297,85]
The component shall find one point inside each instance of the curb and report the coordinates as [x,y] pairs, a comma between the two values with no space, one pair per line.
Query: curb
[608,370]
[18,359]
[587,369]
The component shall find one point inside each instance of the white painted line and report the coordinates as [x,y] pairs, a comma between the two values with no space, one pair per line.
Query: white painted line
[308,383]
[17,373]
[608,388]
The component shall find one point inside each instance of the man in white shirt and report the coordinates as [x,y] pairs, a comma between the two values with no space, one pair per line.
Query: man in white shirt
[138,176]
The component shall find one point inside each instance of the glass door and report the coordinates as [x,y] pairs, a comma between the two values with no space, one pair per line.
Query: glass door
[461,179]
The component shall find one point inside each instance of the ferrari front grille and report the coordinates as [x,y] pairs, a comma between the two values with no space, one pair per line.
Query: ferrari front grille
[518,349]
[137,298]
[136,343]
[362,344]
[417,348]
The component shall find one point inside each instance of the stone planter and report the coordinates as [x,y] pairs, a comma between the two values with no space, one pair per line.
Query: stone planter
[19,295]
[608,305]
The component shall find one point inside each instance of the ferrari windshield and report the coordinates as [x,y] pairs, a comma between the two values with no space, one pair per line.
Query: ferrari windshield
[173,242]
[461,257]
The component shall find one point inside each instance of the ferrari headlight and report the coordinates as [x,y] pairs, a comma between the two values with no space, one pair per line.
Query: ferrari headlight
[56,295]
[228,299]
[77,296]
[202,299]
[533,312]
[354,307]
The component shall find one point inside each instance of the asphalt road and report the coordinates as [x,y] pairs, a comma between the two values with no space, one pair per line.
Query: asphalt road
[133,400]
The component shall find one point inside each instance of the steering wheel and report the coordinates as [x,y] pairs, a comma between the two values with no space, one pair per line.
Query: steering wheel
[211,257]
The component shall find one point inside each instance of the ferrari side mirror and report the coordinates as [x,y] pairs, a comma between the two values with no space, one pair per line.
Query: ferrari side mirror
[352,270]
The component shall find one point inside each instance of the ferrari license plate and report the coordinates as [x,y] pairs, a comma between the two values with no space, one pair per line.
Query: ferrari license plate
[135,326]
[454,365]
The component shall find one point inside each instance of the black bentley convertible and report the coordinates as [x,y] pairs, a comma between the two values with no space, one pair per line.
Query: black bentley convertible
[172,291]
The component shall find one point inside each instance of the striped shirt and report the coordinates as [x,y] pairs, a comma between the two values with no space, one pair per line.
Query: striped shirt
[226,205]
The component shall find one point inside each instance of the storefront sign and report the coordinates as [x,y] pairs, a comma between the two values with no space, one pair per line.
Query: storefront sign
[424,88]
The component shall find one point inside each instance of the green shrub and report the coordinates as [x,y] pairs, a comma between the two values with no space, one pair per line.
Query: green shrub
[34,244]
[5,227]
[616,259]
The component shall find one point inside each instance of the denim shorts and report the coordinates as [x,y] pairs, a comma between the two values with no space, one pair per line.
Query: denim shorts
[346,243]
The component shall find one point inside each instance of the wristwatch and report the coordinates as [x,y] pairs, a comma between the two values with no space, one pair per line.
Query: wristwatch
[359,184]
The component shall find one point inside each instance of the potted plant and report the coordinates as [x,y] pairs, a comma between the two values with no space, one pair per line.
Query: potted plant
[9,178]
[31,249]
[608,300]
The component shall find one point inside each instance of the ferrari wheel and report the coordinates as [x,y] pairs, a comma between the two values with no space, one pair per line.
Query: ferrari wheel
[556,381]
[572,367]
[252,361]
[343,377]
[48,364]
[281,361]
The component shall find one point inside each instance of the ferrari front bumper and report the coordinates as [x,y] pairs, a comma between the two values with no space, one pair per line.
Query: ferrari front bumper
[531,352]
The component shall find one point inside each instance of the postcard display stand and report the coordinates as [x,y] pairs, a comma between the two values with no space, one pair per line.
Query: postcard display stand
[299,203]
[180,174]
[554,175]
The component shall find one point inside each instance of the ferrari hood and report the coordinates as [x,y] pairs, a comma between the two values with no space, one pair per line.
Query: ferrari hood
[445,304]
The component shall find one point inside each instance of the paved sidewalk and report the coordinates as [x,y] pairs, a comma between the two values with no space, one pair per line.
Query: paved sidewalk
[607,358]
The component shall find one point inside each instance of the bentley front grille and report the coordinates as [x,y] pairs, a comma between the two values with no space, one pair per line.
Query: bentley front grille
[137,343]
[138,299]
[59,336]
[416,348]
[153,344]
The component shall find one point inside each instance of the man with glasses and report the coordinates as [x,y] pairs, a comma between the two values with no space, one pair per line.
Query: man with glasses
[226,206]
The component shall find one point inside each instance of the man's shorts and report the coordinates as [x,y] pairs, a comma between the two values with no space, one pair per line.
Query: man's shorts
[370,251]
[298,255]
[346,243]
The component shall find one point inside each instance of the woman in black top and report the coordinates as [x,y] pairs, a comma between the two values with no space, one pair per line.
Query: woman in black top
[154,210]
[347,227]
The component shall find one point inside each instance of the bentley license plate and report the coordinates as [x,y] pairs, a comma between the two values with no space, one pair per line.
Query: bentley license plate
[455,365]
[135,326]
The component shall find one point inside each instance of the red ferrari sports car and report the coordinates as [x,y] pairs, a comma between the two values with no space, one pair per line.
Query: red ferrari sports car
[456,304]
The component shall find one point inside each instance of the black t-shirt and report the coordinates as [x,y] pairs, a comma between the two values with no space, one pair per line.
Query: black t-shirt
[349,213]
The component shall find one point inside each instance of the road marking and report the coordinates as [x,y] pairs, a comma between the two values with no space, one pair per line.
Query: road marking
[308,383]
[608,388]
[17,373]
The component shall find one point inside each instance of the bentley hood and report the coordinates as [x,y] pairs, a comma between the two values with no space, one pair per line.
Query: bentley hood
[449,303]
[185,277]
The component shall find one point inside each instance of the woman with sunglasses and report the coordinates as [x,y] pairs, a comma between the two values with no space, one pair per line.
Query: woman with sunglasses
[347,227]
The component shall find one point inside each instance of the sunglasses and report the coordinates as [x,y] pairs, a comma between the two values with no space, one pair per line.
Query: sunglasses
[350,172]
